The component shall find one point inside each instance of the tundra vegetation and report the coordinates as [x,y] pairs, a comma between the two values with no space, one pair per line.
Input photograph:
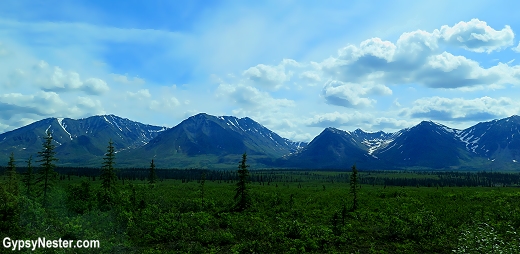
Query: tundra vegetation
[264,211]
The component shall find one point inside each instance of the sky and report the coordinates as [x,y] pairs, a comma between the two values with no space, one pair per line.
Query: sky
[295,67]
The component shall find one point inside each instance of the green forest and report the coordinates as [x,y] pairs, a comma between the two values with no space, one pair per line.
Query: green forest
[247,210]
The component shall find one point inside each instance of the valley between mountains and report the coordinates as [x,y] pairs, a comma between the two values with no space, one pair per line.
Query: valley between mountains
[206,141]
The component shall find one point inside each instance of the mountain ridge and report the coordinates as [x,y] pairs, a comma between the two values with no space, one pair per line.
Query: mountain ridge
[204,140]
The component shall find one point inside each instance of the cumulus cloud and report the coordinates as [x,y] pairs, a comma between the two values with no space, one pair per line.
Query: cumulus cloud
[355,119]
[41,103]
[58,80]
[139,95]
[337,119]
[459,109]
[165,104]
[416,58]
[267,76]
[310,77]
[123,79]
[517,48]
[250,97]
[477,36]
[85,106]
[352,95]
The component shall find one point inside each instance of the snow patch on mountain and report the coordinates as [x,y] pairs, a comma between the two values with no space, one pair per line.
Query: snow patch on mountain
[60,122]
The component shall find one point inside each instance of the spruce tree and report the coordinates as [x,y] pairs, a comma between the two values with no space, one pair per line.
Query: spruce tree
[152,177]
[46,174]
[354,187]
[202,182]
[28,179]
[12,178]
[242,194]
[108,175]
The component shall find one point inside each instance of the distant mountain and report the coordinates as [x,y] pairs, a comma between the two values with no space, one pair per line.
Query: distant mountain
[218,141]
[497,141]
[204,140]
[78,142]
[427,144]
[333,149]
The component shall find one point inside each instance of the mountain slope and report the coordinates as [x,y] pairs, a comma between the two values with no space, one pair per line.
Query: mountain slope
[331,149]
[78,141]
[427,145]
[497,141]
[210,140]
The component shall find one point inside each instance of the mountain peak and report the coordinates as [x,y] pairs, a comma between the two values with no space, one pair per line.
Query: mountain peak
[514,118]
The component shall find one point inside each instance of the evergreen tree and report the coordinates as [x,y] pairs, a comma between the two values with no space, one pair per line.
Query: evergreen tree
[12,178]
[152,177]
[46,174]
[354,186]
[28,179]
[108,175]
[202,182]
[242,194]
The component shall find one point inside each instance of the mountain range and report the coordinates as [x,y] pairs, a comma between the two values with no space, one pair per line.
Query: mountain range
[207,141]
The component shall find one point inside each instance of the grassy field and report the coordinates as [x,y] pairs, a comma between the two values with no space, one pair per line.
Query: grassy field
[297,212]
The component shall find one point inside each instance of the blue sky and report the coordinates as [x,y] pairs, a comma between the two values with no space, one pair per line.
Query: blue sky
[294,66]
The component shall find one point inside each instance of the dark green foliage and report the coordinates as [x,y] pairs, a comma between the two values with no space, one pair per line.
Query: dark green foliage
[170,219]
[202,190]
[46,174]
[28,179]
[152,176]
[9,214]
[108,176]
[80,198]
[12,177]
[354,187]
[242,198]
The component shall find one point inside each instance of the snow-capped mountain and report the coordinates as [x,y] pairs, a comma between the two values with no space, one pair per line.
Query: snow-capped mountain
[372,140]
[216,139]
[78,140]
[427,144]
[213,141]
[334,148]
[494,140]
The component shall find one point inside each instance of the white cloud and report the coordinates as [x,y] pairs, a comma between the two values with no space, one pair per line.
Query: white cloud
[337,119]
[41,65]
[165,104]
[95,86]
[125,80]
[85,106]
[416,59]
[61,81]
[140,95]
[460,109]
[356,119]
[250,97]
[352,95]
[45,104]
[310,77]
[477,36]
[517,48]
[270,77]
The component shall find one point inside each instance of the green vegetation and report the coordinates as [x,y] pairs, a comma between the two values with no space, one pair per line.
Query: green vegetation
[242,190]
[108,176]
[270,211]
[152,177]
[46,174]
[354,187]
[28,179]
